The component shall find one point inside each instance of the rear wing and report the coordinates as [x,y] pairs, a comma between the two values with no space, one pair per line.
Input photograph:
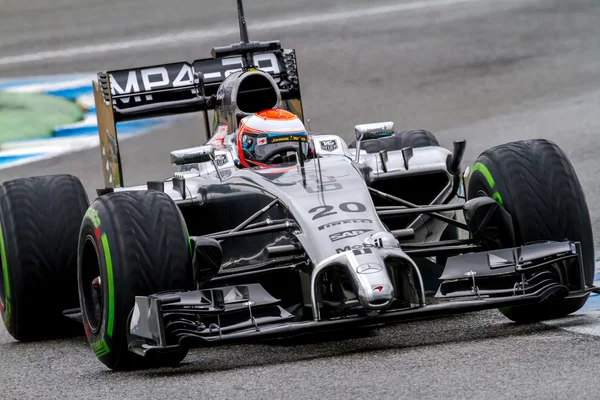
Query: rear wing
[177,88]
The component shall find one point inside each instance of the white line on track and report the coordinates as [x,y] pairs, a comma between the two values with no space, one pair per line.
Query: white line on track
[49,86]
[583,323]
[213,33]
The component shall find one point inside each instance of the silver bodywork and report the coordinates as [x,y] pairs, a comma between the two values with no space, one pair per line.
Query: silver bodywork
[340,239]
[332,205]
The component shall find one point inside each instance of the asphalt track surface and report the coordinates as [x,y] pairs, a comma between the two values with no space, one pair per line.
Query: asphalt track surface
[487,71]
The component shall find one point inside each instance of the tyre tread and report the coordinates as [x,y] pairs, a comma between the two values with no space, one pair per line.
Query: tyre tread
[151,256]
[42,216]
[541,191]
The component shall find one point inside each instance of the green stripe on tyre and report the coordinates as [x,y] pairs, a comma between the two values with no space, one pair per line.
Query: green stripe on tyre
[111,287]
[496,196]
[490,180]
[6,280]
[485,172]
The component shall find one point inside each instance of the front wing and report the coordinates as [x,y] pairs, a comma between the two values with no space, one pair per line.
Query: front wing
[165,322]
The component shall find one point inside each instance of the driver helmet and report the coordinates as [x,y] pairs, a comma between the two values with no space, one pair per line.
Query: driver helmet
[270,137]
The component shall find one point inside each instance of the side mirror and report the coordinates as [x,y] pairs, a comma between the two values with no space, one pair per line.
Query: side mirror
[193,155]
[373,130]
[370,131]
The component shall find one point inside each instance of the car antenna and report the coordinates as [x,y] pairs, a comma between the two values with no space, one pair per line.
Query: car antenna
[301,154]
[244,37]
[245,48]
[310,134]
[243,27]
[318,163]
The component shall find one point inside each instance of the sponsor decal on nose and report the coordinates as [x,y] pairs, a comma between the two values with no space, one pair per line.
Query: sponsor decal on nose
[369,269]
[347,234]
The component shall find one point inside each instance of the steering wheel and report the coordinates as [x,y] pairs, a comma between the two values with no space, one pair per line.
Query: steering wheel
[268,158]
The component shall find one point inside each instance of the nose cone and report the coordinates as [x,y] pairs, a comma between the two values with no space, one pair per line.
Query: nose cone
[381,294]
[375,290]
[367,269]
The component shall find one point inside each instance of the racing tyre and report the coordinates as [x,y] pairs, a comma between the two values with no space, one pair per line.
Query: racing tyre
[537,184]
[39,226]
[398,141]
[130,244]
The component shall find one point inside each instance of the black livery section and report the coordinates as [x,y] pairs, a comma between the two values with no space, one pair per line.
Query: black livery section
[173,84]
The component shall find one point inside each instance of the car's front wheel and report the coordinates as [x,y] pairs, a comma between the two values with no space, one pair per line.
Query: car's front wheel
[130,244]
[537,184]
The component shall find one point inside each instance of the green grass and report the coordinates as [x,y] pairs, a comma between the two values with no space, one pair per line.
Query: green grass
[30,116]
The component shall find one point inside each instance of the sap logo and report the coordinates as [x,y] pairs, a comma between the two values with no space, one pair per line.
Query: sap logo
[348,234]
[357,249]
[345,221]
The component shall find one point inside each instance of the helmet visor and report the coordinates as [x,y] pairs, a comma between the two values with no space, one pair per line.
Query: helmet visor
[269,143]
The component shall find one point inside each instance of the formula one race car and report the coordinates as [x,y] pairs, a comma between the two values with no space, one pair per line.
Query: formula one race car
[268,230]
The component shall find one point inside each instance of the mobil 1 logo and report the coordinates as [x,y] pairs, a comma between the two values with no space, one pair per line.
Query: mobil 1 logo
[357,249]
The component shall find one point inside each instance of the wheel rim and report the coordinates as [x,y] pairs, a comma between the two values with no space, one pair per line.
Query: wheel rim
[91,284]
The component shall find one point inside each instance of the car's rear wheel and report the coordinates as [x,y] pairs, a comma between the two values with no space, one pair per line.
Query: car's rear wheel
[39,225]
[537,184]
[130,244]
